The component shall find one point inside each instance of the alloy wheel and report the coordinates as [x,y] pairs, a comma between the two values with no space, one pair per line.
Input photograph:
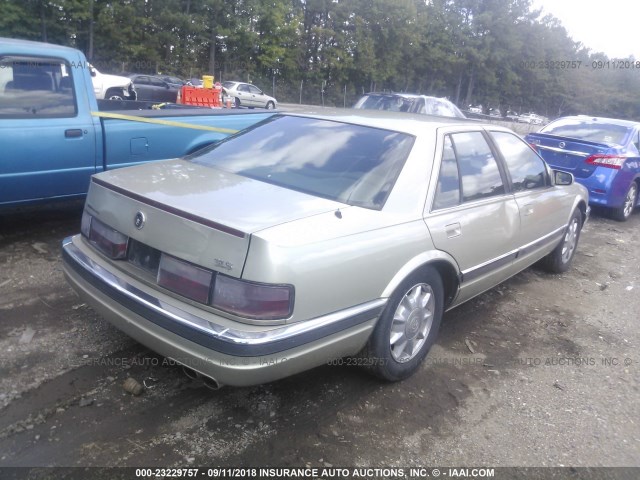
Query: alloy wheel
[412,322]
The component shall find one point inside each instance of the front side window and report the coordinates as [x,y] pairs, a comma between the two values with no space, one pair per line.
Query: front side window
[36,87]
[352,164]
[479,172]
[527,170]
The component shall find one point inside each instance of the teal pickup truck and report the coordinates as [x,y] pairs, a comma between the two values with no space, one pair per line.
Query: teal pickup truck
[54,134]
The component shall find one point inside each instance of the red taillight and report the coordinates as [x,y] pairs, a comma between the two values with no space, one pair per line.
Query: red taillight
[252,300]
[257,301]
[184,278]
[608,161]
[107,240]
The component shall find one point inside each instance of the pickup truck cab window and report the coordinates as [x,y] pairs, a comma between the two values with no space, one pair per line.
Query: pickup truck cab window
[527,170]
[36,87]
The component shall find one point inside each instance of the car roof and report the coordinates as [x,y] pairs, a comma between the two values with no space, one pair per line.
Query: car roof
[145,75]
[51,48]
[411,123]
[614,121]
[392,94]
[431,97]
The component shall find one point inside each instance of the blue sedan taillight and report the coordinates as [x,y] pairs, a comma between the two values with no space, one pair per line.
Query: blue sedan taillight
[609,161]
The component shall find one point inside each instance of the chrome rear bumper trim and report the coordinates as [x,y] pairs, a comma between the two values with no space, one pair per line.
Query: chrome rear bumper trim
[220,338]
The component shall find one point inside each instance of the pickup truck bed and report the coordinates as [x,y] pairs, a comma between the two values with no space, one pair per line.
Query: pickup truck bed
[54,134]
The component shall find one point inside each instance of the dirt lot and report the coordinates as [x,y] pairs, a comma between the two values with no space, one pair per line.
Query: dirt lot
[543,370]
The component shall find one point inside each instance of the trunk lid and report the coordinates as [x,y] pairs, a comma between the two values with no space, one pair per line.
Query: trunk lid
[197,213]
[570,154]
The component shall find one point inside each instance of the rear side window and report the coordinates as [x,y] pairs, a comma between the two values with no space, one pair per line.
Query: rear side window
[468,171]
[527,170]
[348,163]
[448,189]
[479,170]
[36,87]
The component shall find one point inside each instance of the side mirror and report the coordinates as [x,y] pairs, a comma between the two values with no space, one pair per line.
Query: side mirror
[562,178]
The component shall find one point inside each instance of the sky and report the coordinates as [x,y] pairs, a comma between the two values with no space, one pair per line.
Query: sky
[609,26]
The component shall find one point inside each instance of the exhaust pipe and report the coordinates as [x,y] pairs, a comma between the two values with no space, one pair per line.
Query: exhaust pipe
[209,382]
[191,373]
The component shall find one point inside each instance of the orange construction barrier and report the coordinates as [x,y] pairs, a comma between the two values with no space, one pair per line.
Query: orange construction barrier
[200,97]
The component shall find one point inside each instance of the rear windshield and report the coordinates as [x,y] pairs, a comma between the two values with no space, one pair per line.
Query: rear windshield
[435,106]
[588,130]
[347,163]
[392,103]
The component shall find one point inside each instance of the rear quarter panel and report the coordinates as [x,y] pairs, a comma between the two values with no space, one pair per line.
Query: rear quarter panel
[340,259]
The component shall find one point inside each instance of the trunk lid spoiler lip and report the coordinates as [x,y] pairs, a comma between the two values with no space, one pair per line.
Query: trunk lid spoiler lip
[169,209]
[550,136]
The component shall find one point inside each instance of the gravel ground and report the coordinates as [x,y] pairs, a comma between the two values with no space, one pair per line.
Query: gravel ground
[541,371]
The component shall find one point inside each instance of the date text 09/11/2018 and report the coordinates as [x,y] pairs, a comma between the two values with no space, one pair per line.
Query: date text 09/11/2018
[579,64]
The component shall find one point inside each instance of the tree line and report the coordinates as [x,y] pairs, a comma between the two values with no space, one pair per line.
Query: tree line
[498,53]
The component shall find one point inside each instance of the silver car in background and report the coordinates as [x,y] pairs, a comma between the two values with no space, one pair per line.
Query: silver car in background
[247,95]
[308,238]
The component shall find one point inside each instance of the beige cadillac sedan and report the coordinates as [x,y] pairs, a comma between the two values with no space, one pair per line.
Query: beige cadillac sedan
[309,238]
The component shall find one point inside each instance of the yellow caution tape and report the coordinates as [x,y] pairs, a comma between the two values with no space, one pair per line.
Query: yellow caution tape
[169,123]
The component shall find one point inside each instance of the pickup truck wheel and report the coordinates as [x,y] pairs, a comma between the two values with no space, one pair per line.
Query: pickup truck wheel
[270,106]
[559,260]
[407,328]
[623,213]
[113,95]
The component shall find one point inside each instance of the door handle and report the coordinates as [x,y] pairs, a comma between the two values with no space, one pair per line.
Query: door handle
[453,230]
[73,133]
[528,209]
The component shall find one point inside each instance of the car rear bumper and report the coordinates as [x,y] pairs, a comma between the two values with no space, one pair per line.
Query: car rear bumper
[245,355]
[607,187]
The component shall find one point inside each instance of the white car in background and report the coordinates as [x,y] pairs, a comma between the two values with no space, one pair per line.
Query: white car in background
[532,119]
[247,95]
[111,87]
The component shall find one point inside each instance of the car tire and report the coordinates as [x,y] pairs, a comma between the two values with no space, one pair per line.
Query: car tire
[407,328]
[237,102]
[559,260]
[623,213]
[113,95]
[270,106]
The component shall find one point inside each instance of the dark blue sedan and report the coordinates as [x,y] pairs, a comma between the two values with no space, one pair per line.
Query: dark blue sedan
[601,153]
